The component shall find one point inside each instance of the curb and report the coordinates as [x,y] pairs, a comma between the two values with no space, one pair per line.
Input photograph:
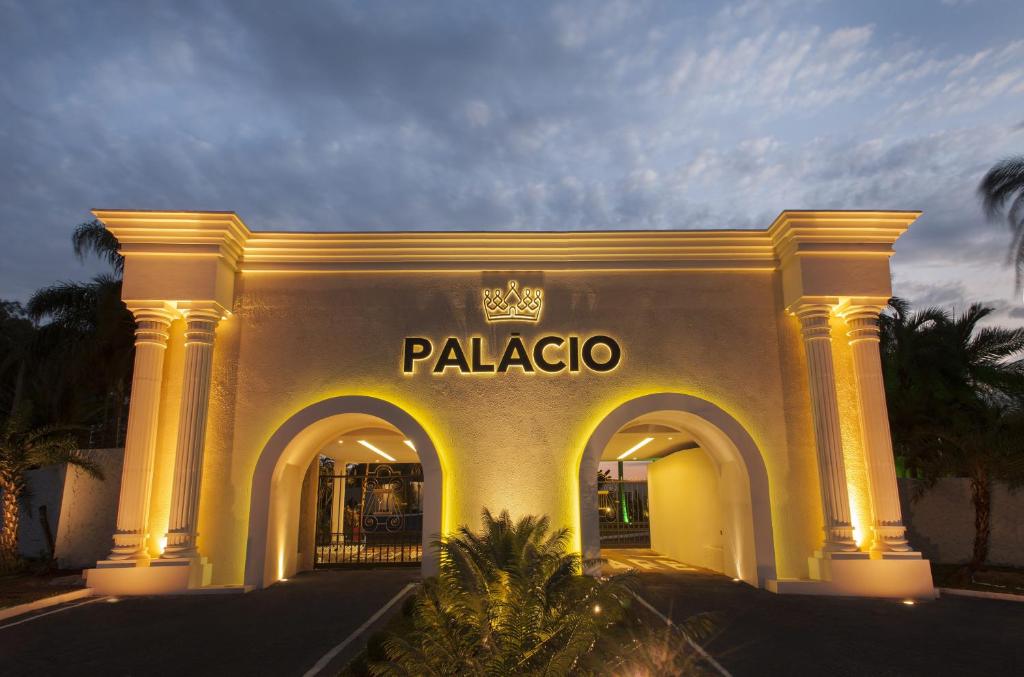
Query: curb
[28,607]
[1005,596]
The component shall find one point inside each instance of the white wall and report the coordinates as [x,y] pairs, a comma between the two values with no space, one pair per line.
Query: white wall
[43,487]
[82,510]
[941,521]
[686,509]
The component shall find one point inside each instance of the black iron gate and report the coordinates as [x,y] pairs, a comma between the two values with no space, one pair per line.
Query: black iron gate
[371,514]
[623,513]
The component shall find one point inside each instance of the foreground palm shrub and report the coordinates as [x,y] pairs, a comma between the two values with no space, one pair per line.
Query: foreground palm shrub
[508,600]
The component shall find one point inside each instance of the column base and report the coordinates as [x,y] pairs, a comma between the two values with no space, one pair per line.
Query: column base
[905,576]
[895,554]
[148,577]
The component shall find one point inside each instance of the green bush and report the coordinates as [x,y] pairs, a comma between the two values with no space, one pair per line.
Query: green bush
[511,600]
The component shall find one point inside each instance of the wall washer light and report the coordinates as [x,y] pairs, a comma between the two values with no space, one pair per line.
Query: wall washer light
[376,450]
[636,447]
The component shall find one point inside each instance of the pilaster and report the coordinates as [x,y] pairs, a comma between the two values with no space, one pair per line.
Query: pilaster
[201,323]
[152,322]
[889,533]
[835,501]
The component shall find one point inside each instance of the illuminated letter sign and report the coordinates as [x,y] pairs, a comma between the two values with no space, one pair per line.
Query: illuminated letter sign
[547,354]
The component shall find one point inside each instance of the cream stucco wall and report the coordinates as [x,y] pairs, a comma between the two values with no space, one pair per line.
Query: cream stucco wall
[686,510]
[513,440]
[311,317]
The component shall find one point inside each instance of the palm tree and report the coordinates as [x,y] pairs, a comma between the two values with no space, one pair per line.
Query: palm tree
[956,397]
[508,600]
[16,336]
[22,449]
[92,237]
[83,354]
[1002,187]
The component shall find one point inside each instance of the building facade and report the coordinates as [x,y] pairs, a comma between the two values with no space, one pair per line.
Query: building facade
[504,367]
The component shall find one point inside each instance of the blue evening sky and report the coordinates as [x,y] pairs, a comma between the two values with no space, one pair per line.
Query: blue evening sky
[528,115]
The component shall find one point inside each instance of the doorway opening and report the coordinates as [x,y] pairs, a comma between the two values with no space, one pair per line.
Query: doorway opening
[369,500]
[368,451]
[680,476]
[624,481]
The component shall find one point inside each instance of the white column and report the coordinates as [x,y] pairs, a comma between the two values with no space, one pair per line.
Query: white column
[140,441]
[889,532]
[188,458]
[835,501]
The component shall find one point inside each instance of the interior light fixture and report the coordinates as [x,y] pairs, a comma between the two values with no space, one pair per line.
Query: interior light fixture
[636,447]
[376,450]
[409,444]
[908,602]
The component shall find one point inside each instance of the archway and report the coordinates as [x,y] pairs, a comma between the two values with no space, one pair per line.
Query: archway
[273,543]
[735,463]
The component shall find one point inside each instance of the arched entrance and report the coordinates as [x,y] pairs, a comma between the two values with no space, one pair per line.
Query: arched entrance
[713,452]
[273,549]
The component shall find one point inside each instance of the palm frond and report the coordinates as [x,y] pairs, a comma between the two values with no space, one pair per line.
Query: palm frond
[92,237]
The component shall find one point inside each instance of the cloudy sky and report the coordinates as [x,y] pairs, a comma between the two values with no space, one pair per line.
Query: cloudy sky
[521,115]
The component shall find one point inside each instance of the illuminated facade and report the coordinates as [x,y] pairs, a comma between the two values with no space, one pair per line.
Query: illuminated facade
[511,364]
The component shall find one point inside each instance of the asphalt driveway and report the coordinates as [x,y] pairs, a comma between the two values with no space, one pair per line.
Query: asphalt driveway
[282,630]
[285,629]
[760,633]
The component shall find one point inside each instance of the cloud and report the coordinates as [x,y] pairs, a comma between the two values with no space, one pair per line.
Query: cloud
[404,115]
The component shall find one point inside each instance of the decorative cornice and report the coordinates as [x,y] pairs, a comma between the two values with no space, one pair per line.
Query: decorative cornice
[149,233]
[224,234]
[828,233]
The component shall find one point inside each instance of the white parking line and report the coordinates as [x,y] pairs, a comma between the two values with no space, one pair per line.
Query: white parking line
[55,611]
[697,647]
[326,659]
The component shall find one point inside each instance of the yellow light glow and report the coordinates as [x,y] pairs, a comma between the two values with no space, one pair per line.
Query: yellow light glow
[636,447]
[376,450]
[409,444]
[161,544]
[909,602]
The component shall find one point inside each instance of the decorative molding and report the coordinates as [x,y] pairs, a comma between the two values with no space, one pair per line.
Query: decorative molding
[828,233]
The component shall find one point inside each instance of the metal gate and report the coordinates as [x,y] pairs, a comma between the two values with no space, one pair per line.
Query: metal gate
[623,513]
[370,515]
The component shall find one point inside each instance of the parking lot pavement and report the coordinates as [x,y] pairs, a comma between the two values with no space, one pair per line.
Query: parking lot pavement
[761,633]
[282,630]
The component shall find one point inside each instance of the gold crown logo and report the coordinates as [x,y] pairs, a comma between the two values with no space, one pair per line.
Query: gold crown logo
[513,305]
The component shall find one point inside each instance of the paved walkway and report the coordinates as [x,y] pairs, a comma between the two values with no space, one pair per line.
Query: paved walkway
[282,630]
[760,633]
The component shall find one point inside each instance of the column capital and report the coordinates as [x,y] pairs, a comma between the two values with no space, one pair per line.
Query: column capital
[862,319]
[152,322]
[815,318]
[201,320]
[152,311]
